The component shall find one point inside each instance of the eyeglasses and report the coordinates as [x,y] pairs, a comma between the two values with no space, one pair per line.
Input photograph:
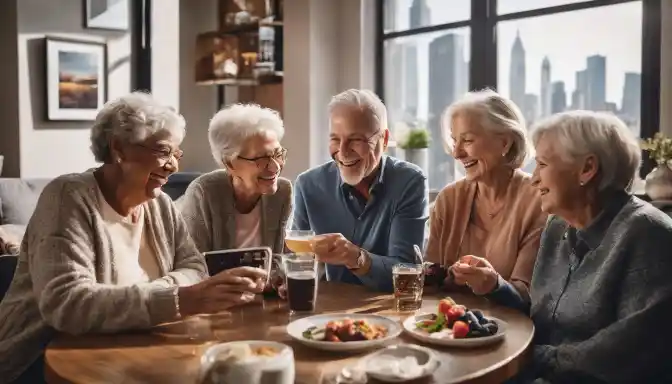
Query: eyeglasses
[164,155]
[352,143]
[279,156]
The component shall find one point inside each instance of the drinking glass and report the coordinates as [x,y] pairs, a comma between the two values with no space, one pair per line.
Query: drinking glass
[300,271]
[298,241]
[409,280]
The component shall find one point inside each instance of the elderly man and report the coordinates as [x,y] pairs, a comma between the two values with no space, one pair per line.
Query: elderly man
[367,209]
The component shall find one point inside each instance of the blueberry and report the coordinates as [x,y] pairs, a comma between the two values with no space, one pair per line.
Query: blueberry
[480,316]
[491,327]
[477,333]
[471,317]
[475,327]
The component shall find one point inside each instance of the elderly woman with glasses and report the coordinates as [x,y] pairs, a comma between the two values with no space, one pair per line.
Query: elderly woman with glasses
[493,214]
[246,203]
[106,250]
[601,294]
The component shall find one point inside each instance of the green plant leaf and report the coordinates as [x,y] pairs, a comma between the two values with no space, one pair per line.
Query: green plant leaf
[416,138]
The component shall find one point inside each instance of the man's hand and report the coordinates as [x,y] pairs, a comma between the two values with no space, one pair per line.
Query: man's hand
[334,249]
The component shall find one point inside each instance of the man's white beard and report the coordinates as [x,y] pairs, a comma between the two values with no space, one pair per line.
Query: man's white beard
[351,178]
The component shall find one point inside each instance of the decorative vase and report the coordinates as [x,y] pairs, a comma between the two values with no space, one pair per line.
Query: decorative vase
[419,157]
[659,183]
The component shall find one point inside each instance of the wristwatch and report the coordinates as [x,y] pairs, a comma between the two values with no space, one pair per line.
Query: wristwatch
[361,260]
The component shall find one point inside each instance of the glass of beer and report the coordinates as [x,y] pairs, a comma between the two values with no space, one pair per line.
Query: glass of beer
[298,241]
[301,281]
[408,280]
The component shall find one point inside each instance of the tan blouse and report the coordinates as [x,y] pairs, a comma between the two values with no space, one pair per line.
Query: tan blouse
[510,245]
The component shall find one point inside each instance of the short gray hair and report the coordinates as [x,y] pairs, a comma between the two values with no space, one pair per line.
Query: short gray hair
[132,119]
[231,126]
[580,133]
[366,101]
[494,113]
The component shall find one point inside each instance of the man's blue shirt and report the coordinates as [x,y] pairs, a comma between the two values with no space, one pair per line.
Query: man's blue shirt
[387,225]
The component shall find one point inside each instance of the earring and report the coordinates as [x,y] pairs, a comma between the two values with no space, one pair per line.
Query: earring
[581,183]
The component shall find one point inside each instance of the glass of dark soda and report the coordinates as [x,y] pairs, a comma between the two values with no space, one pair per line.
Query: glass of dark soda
[301,270]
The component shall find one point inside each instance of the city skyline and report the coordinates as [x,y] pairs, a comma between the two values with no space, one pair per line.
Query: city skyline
[619,40]
[425,73]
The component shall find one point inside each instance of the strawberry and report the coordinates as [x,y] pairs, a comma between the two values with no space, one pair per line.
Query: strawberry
[460,330]
[455,313]
[444,307]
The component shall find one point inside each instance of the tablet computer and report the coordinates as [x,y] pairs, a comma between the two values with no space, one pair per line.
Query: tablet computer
[258,257]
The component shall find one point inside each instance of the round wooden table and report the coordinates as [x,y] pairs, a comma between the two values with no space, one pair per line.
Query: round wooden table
[171,353]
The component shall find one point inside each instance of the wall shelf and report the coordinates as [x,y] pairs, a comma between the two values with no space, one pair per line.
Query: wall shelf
[275,78]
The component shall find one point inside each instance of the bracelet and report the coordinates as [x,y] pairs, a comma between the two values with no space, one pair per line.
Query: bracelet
[176,296]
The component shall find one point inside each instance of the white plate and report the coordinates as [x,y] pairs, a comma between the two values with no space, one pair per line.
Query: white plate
[295,330]
[425,357]
[445,338]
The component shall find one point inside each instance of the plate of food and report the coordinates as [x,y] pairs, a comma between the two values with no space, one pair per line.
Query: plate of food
[455,325]
[343,332]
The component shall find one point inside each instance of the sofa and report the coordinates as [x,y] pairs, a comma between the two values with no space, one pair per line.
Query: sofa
[18,198]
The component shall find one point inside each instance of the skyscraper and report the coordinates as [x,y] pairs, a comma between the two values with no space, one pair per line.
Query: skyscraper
[449,76]
[558,97]
[596,71]
[545,109]
[580,91]
[419,14]
[517,73]
[632,88]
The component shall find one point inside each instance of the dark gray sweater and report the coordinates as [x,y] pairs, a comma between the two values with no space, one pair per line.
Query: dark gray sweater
[601,298]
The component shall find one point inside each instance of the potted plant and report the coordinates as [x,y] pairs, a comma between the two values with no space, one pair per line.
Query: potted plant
[659,182]
[415,143]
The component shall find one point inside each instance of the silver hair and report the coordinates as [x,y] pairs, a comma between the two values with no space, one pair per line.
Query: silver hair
[231,126]
[495,113]
[132,119]
[364,99]
[580,133]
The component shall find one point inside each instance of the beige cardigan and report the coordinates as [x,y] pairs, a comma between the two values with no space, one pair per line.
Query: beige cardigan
[65,278]
[511,248]
[209,211]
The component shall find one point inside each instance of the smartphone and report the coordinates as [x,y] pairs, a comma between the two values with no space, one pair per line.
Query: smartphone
[258,257]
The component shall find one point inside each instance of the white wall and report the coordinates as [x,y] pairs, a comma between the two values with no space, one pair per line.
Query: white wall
[322,58]
[51,148]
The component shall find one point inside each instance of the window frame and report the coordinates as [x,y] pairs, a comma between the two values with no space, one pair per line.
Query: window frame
[483,40]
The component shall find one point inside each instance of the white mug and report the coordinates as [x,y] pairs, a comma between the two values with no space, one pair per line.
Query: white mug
[278,369]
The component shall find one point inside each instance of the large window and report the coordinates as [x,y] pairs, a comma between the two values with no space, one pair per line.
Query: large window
[548,56]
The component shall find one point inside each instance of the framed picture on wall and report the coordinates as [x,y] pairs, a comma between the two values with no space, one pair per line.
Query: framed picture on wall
[107,14]
[76,79]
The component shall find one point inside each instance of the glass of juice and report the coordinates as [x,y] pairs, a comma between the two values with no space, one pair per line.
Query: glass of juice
[409,281]
[301,270]
[298,241]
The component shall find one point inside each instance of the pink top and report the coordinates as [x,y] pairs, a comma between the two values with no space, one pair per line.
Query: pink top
[248,228]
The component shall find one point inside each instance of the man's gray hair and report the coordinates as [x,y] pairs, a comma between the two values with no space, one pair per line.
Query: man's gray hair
[132,119]
[365,100]
[494,113]
[579,133]
[232,125]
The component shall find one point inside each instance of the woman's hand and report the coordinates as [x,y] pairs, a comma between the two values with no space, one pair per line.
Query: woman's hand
[476,273]
[222,291]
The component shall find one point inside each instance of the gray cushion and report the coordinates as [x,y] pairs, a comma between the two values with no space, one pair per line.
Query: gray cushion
[18,198]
